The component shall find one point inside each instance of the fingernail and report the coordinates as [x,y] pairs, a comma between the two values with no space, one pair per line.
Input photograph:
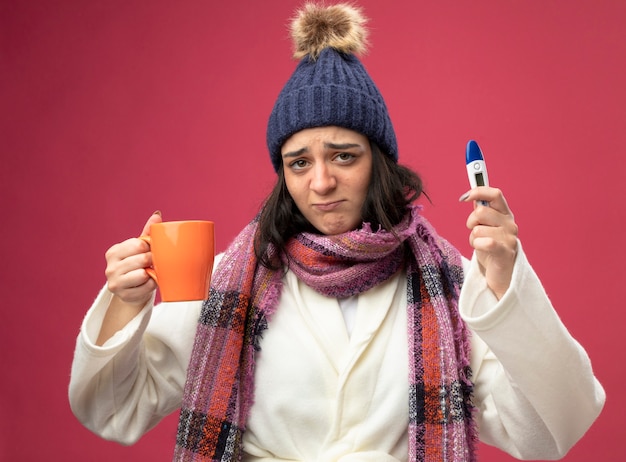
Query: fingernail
[464,197]
[157,212]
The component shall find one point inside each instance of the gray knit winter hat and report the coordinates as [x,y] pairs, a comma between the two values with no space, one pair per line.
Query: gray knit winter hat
[330,86]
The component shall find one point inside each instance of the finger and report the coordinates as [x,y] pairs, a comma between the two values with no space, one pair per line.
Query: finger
[130,293]
[488,216]
[128,280]
[134,262]
[494,240]
[482,238]
[493,196]
[154,218]
[125,249]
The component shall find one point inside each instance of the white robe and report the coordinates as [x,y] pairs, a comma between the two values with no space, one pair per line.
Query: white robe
[324,394]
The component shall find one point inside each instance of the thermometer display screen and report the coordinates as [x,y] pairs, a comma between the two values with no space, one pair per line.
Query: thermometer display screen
[480,181]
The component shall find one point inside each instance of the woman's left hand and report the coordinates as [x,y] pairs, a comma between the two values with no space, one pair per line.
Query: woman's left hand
[493,236]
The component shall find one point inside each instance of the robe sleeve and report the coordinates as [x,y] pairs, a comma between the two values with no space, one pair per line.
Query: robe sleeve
[125,387]
[535,390]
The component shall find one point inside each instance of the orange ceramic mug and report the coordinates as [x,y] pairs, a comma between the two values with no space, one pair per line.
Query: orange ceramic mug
[182,258]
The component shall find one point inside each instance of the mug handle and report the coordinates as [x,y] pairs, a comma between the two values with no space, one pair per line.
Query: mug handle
[150,271]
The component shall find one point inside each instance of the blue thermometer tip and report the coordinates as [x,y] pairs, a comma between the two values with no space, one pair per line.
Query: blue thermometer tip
[473,152]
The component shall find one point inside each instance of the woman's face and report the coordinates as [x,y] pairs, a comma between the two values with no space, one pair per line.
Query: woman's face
[327,172]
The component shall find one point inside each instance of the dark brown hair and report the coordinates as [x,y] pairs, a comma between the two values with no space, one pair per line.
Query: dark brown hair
[392,189]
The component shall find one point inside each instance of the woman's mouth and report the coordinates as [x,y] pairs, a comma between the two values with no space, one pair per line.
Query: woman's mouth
[327,206]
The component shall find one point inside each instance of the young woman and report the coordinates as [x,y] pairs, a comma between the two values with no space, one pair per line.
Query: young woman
[340,326]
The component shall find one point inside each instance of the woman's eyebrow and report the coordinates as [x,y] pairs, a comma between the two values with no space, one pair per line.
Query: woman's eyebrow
[341,145]
[297,153]
[337,146]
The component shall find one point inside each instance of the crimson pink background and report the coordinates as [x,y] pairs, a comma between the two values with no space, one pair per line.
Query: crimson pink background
[113,109]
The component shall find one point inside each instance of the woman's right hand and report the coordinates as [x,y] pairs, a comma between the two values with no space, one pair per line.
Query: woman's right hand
[128,280]
[126,263]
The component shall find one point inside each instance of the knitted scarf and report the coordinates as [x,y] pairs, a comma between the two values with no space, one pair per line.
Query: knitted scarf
[220,382]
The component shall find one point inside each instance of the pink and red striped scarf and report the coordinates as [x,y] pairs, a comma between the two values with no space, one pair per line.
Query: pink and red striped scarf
[220,380]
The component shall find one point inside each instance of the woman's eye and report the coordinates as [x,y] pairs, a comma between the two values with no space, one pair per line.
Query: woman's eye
[345,156]
[299,164]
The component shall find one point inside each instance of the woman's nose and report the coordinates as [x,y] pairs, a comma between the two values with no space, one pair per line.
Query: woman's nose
[323,180]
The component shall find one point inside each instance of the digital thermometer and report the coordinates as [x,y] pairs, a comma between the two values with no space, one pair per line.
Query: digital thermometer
[476,167]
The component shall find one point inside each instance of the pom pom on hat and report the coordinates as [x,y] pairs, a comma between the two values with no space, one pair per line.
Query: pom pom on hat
[330,86]
[341,27]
